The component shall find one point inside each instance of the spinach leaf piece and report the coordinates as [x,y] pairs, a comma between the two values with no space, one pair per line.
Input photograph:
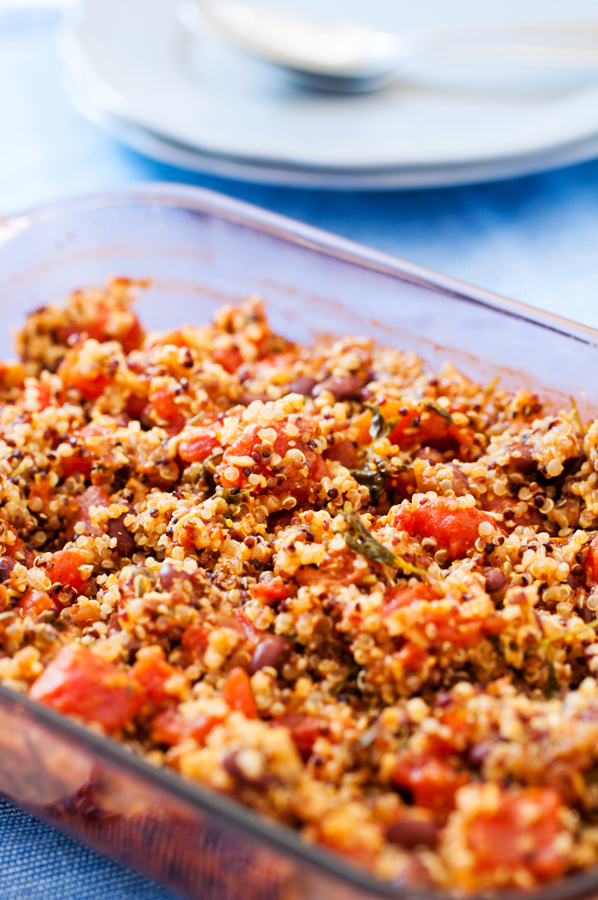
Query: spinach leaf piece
[359,539]
[209,470]
[379,427]
[374,479]
[440,412]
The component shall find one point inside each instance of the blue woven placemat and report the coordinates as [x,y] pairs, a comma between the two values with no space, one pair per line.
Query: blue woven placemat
[39,863]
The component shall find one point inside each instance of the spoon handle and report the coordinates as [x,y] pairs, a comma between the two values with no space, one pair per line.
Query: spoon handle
[345,57]
[554,46]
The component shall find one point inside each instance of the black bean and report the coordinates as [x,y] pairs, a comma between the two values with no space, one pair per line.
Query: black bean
[443,699]
[410,833]
[433,455]
[7,564]
[460,481]
[302,385]
[230,765]
[248,397]
[342,387]
[168,576]
[573,582]
[125,542]
[273,651]
[405,794]
[233,768]
[478,753]
[524,462]
[495,580]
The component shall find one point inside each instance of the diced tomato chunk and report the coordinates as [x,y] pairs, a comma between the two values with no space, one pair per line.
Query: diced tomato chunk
[130,336]
[531,516]
[136,405]
[88,374]
[241,623]
[195,638]
[242,447]
[92,496]
[64,569]
[396,597]
[463,435]
[90,385]
[454,528]
[35,602]
[79,461]
[83,684]
[270,591]
[176,337]
[305,730]
[163,402]
[43,394]
[42,489]
[198,448]
[361,427]
[522,833]
[458,731]
[229,358]
[425,427]
[238,694]
[319,469]
[171,727]
[412,656]
[152,673]
[591,562]
[343,452]
[296,479]
[431,780]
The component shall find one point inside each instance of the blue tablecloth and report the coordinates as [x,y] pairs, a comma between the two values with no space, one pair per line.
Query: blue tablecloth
[533,239]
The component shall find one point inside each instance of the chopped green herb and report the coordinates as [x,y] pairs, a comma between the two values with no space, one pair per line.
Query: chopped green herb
[545,642]
[553,683]
[373,476]
[196,419]
[360,540]
[209,469]
[233,499]
[440,411]
[379,426]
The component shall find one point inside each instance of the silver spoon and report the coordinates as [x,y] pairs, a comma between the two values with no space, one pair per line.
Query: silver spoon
[353,58]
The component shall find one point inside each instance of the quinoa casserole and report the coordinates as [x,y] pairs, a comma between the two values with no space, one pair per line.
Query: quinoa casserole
[357,596]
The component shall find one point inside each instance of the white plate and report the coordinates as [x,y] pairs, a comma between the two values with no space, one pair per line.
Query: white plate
[133,60]
[154,147]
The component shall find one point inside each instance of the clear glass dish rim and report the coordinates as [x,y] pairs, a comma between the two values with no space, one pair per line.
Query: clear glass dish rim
[277,837]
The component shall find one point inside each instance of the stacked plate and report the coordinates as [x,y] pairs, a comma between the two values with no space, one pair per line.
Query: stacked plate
[201,105]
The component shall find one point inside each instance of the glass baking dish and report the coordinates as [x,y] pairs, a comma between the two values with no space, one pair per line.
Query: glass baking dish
[200,249]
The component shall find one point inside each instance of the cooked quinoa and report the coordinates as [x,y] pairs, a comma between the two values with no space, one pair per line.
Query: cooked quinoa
[355,595]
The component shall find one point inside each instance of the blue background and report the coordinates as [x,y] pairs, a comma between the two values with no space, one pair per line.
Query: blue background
[533,239]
